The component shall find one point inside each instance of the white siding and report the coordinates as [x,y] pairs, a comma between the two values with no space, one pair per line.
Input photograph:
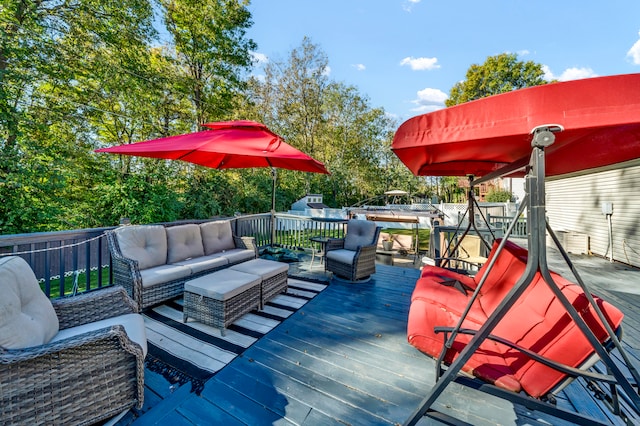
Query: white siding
[575,204]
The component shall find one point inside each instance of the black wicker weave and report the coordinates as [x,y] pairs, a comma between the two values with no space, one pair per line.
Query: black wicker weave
[77,381]
[127,274]
[364,260]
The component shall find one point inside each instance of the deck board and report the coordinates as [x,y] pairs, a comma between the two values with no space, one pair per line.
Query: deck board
[343,358]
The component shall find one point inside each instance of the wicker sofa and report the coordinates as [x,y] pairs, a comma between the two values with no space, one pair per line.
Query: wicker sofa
[152,262]
[71,361]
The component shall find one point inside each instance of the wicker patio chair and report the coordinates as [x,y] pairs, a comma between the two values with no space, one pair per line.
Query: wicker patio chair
[354,256]
[91,369]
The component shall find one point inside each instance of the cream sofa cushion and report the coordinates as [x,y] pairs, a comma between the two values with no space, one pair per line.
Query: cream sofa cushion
[27,317]
[163,274]
[203,263]
[217,236]
[145,243]
[184,242]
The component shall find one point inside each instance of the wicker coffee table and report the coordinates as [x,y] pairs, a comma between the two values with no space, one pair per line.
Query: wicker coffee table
[221,297]
[274,276]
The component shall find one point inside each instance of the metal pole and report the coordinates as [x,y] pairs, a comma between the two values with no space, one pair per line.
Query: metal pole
[274,175]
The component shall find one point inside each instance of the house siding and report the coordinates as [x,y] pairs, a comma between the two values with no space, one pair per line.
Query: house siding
[575,204]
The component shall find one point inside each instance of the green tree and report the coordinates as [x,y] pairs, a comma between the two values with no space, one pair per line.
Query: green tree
[498,196]
[209,37]
[48,50]
[499,74]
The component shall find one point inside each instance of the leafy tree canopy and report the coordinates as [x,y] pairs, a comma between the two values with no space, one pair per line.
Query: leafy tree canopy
[499,74]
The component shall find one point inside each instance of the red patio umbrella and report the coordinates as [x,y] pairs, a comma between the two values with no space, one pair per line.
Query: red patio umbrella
[600,117]
[227,145]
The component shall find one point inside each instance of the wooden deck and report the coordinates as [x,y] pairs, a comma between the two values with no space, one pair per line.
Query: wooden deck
[344,359]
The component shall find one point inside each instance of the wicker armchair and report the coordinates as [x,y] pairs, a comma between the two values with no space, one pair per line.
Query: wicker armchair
[354,256]
[87,372]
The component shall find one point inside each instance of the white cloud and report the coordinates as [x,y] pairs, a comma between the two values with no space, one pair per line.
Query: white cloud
[523,52]
[429,100]
[568,74]
[634,52]
[259,58]
[326,71]
[420,64]
[359,67]
[407,6]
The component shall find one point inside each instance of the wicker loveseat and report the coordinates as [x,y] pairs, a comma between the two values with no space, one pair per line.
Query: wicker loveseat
[73,361]
[152,262]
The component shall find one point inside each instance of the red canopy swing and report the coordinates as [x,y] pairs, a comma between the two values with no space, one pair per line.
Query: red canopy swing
[542,131]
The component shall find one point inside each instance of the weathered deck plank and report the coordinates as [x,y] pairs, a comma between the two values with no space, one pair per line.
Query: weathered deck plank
[343,359]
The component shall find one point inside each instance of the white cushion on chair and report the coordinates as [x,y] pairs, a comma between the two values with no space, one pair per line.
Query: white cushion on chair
[145,243]
[27,317]
[217,236]
[184,242]
[133,325]
[342,256]
[359,233]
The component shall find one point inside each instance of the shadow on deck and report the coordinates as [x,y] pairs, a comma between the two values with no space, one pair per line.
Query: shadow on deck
[344,359]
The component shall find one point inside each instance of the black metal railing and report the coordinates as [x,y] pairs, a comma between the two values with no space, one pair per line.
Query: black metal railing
[66,262]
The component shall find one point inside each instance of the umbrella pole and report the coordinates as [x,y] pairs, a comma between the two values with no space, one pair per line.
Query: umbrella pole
[274,175]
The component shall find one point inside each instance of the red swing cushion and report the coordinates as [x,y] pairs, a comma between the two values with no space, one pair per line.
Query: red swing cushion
[537,321]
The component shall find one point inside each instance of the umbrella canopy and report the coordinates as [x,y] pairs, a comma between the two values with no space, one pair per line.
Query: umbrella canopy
[226,145]
[600,117]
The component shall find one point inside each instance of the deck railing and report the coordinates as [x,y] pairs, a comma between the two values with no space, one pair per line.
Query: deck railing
[294,232]
[66,262]
[503,222]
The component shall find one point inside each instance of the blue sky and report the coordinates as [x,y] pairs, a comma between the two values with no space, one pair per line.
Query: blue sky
[405,55]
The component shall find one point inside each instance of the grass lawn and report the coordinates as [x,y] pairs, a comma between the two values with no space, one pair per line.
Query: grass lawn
[423,236]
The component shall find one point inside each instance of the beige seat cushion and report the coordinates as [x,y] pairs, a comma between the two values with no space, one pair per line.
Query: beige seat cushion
[27,317]
[163,274]
[217,236]
[204,263]
[239,255]
[223,284]
[133,325]
[263,267]
[184,242]
[342,256]
[145,243]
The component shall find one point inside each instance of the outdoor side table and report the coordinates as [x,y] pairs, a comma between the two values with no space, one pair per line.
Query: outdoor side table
[322,252]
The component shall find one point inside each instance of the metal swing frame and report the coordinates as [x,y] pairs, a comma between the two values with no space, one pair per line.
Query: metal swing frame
[472,204]
[542,137]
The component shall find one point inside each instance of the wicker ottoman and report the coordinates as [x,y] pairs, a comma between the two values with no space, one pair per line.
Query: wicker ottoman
[274,276]
[221,297]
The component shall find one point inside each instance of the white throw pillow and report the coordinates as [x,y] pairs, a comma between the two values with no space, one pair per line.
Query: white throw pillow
[27,317]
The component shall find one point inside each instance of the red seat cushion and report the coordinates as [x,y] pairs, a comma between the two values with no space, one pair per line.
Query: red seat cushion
[537,321]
